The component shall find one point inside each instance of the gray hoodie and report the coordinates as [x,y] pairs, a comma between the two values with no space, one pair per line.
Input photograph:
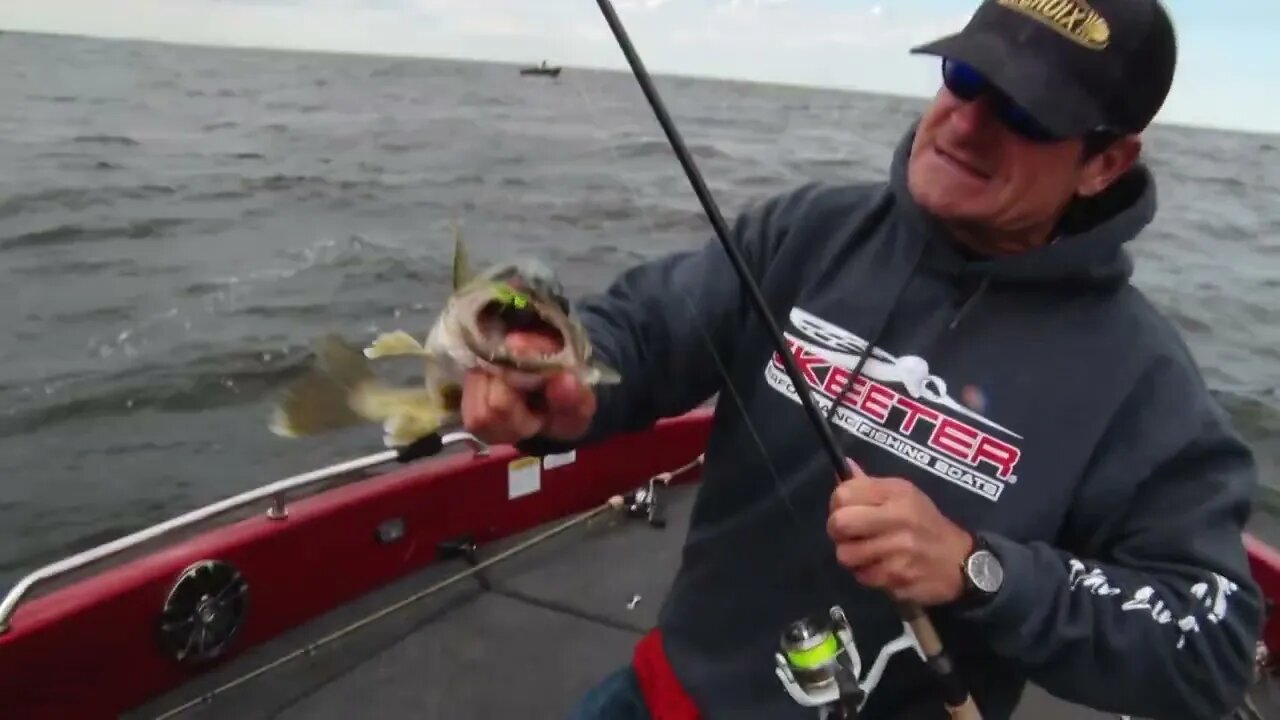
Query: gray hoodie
[1039,399]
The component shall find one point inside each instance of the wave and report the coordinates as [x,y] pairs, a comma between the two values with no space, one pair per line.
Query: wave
[71,234]
[660,148]
[80,198]
[1226,182]
[356,261]
[345,252]
[1256,414]
[106,314]
[71,267]
[54,98]
[605,254]
[762,181]
[218,195]
[318,310]
[648,217]
[316,185]
[713,123]
[120,140]
[212,377]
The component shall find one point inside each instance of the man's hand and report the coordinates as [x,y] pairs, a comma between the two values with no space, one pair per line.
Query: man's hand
[892,536]
[497,413]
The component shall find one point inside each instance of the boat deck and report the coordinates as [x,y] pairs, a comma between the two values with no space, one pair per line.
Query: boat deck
[523,638]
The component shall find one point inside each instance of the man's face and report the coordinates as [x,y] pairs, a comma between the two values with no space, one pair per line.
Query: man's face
[969,168]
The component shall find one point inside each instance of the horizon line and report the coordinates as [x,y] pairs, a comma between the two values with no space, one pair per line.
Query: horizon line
[621,69]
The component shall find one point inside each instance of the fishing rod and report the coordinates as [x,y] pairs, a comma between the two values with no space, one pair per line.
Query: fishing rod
[803,637]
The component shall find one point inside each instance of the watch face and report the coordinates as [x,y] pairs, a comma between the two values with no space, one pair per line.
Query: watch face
[985,571]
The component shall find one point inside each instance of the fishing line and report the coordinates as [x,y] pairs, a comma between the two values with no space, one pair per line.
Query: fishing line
[696,320]
[814,565]
[647,218]
[957,698]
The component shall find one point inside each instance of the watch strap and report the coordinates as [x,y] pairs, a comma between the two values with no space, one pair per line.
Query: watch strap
[972,595]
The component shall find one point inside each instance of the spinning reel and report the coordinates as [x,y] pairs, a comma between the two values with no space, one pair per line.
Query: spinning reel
[819,665]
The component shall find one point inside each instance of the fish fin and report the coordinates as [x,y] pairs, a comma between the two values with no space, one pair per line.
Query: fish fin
[398,342]
[461,264]
[319,401]
[406,414]
[597,373]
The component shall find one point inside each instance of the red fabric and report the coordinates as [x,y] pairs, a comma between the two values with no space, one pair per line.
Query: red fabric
[662,692]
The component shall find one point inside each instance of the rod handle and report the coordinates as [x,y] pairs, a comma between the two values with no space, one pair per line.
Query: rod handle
[958,701]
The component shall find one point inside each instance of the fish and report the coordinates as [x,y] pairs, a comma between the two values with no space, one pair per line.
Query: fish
[341,389]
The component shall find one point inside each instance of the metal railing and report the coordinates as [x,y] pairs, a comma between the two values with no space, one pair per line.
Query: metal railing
[275,491]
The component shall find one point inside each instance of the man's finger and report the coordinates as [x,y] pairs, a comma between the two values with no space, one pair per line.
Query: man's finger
[891,574]
[565,393]
[855,522]
[571,405]
[508,410]
[861,490]
[475,394]
[859,554]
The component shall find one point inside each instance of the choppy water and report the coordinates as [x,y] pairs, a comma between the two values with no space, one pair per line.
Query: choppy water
[177,224]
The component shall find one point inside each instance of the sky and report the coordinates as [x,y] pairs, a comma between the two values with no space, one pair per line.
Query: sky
[1228,56]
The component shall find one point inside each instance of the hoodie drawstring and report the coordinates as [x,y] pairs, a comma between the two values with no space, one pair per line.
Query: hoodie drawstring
[873,339]
[973,299]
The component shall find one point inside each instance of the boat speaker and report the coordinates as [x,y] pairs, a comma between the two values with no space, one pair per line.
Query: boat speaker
[203,612]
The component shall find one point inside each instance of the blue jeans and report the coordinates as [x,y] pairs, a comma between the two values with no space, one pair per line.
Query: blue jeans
[617,697]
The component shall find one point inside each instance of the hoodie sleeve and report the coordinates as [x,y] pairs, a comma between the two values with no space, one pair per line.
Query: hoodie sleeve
[1157,615]
[666,324]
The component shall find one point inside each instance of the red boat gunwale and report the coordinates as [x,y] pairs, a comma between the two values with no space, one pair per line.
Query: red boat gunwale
[1264,563]
[91,649]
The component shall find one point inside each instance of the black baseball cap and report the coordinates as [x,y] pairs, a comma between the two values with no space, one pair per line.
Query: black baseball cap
[1075,65]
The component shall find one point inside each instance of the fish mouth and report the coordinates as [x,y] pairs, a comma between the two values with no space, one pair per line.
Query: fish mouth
[496,320]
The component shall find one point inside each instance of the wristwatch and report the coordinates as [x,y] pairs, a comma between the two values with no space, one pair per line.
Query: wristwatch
[982,572]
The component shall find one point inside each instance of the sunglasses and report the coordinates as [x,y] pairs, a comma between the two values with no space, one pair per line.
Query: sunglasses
[965,82]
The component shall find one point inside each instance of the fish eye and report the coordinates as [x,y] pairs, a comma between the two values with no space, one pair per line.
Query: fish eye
[553,290]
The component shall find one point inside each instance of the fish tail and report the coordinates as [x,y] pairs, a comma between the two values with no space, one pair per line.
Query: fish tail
[342,391]
[320,400]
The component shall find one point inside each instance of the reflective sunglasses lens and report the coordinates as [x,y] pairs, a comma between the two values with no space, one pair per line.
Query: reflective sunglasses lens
[962,80]
[965,82]
[1021,122]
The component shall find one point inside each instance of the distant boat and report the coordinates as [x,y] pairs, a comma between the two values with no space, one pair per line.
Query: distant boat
[543,69]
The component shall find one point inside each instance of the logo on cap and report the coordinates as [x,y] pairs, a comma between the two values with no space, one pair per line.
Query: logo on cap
[1073,18]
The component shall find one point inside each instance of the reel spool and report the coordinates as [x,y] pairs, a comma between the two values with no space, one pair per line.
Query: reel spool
[819,665]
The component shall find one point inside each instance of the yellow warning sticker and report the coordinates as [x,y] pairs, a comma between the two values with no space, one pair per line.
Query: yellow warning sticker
[524,477]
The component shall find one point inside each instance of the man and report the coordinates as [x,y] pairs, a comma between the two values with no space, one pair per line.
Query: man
[1040,464]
